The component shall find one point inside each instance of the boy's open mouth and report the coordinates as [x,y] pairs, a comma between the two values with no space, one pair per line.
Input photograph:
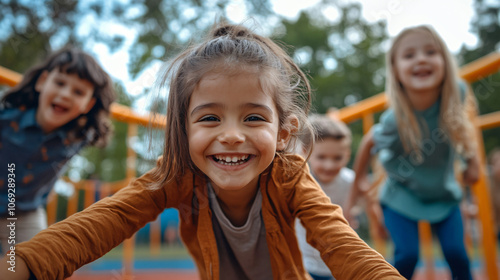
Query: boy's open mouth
[231,159]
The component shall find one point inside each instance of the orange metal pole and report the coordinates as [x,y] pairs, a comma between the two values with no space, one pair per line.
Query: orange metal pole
[72,205]
[357,111]
[425,234]
[129,244]
[155,237]
[125,114]
[105,191]
[9,77]
[488,121]
[481,191]
[51,208]
[481,68]
[89,198]
[128,258]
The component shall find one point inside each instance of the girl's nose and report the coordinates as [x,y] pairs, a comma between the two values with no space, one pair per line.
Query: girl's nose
[231,135]
[421,56]
[65,92]
[330,164]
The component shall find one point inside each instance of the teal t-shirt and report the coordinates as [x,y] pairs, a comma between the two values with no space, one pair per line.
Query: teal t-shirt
[420,189]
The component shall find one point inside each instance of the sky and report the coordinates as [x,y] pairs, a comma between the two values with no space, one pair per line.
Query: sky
[450,18]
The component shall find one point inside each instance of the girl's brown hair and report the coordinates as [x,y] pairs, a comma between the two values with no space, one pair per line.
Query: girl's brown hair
[453,117]
[231,49]
[93,127]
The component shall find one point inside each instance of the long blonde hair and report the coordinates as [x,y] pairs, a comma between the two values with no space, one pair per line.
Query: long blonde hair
[453,117]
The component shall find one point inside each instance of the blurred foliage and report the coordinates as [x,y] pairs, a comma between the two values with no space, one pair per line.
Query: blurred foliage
[35,28]
[486,26]
[166,26]
[29,28]
[110,163]
[343,56]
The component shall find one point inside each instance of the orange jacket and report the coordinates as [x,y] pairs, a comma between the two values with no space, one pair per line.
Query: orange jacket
[85,236]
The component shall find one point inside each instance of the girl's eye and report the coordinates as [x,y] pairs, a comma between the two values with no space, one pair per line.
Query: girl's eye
[408,55]
[254,118]
[209,119]
[79,92]
[321,157]
[431,52]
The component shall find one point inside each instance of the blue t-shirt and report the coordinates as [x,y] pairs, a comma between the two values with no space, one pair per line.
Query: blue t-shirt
[39,158]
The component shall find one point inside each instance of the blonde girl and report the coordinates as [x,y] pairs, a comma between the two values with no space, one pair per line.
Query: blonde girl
[59,107]
[235,103]
[418,140]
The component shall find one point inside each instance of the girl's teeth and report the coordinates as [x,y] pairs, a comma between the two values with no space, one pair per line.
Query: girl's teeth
[234,160]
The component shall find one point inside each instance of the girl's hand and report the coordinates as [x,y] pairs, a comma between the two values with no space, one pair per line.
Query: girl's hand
[374,211]
[356,192]
[351,217]
[471,173]
[364,186]
[348,211]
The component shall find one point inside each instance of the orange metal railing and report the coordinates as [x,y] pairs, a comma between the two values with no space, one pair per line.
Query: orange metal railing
[363,110]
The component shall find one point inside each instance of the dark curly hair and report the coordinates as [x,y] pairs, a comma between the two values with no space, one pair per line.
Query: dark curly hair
[96,127]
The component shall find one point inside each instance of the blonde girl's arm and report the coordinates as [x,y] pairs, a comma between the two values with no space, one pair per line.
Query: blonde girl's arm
[471,173]
[360,185]
[58,251]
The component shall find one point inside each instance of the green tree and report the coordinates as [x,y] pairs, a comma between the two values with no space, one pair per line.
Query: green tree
[486,26]
[109,163]
[343,56]
[32,29]
[166,26]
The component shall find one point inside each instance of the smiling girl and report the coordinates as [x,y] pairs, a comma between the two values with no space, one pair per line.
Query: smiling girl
[59,107]
[235,104]
[418,140]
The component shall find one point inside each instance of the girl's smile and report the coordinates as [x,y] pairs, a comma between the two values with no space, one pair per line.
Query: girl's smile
[419,66]
[63,97]
[233,130]
[231,160]
[59,109]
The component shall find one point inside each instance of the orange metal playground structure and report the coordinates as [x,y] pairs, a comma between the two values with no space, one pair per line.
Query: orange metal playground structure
[364,111]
